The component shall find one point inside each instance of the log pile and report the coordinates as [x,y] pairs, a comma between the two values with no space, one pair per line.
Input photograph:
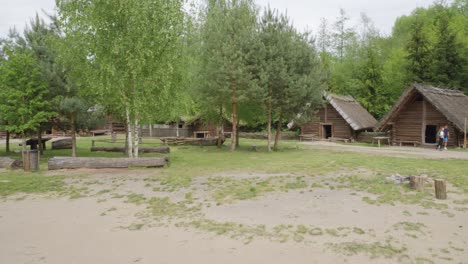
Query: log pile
[57,163]
[8,163]
[140,150]
[64,143]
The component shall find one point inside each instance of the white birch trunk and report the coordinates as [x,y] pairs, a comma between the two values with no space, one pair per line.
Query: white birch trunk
[137,138]
[129,133]
[177,129]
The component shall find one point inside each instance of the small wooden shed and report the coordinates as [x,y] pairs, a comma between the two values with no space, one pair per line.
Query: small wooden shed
[420,112]
[341,117]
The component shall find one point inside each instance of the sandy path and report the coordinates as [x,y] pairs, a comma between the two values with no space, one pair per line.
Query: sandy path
[402,152]
[63,231]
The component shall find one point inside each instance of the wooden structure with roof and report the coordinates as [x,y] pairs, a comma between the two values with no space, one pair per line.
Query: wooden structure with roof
[341,117]
[420,112]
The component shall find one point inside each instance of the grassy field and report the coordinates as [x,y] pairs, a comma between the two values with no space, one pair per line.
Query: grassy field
[188,162]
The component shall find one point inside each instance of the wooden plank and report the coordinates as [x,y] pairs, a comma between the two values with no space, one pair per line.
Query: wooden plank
[57,163]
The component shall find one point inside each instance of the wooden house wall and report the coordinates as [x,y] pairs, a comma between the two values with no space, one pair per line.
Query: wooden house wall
[211,128]
[411,122]
[328,115]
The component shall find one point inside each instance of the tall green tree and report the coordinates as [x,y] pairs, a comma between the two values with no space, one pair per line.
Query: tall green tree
[23,94]
[226,37]
[126,50]
[419,54]
[447,54]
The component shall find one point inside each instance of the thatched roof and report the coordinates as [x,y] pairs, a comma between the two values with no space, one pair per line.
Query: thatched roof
[351,111]
[451,103]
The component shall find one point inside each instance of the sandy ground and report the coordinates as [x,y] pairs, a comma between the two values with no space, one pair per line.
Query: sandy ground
[95,228]
[392,151]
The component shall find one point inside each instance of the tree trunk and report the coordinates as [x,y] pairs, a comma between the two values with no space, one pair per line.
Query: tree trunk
[177,129]
[278,132]
[73,135]
[151,130]
[39,141]
[440,189]
[220,128]
[137,138]
[237,134]
[129,133]
[57,163]
[7,141]
[234,120]
[269,124]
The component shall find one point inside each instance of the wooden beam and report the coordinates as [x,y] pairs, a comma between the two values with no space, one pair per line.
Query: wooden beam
[140,150]
[423,125]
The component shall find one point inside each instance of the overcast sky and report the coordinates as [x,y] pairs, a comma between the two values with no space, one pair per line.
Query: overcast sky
[304,13]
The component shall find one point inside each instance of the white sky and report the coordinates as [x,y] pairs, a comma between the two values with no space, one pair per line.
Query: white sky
[304,13]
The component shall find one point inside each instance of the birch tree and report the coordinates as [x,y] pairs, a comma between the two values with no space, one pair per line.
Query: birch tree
[127,50]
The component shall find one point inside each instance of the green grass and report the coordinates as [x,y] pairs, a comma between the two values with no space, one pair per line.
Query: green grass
[188,162]
[19,182]
[374,250]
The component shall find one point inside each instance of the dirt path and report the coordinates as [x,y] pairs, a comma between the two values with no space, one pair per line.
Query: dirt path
[402,152]
[326,225]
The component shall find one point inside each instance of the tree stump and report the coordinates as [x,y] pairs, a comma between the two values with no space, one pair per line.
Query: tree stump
[417,182]
[440,189]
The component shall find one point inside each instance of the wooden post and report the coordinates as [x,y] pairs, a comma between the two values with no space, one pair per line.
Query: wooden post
[440,189]
[464,139]
[417,182]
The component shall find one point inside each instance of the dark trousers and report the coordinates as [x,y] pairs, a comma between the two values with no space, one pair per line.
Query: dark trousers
[440,144]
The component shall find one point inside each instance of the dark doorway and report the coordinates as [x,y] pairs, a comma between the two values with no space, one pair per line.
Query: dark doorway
[431,134]
[327,131]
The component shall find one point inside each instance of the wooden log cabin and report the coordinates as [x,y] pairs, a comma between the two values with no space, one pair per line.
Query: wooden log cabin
[342,117]
[420,112]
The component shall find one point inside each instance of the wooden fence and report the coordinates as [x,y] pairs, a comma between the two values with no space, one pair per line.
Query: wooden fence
[166,132]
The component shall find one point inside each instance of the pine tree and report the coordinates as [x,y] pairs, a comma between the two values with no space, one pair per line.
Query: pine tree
[419,54]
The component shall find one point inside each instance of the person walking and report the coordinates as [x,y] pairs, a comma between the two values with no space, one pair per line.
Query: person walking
[446,136]
[440,136]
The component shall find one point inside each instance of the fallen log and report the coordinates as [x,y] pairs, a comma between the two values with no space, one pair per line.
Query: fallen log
[8,163]
[140,150]
[64,143]
[57,163]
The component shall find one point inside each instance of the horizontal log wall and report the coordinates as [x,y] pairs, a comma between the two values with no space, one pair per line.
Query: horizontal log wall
[411,122]
[436,118]
[341,129]
[408,124]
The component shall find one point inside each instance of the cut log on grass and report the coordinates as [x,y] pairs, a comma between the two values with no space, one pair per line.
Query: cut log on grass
[64,143]
[57,163]
[417,182]
[8,163]
[140,150]
[440,189]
